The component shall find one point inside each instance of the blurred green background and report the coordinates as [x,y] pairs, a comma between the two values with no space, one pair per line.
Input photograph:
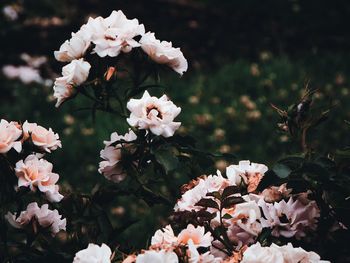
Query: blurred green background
[243,55]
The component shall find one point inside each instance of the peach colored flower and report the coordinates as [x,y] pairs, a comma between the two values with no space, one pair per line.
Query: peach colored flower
[10,132]
[111,167]
[37,174]
[164,236]
[197,235]
[249,173]
[45,139]
[130,259]
[163,52]
[276,193]
[93,254]
[45,217]
[155,114]
[195,257]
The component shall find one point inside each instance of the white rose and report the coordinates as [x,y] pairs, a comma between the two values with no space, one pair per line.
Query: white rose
[164,53]
[249,173]
[258,254]
[114,34]
[75,47]
[93,254]
[73,74]
[155,114]
[161,256]
[111,167]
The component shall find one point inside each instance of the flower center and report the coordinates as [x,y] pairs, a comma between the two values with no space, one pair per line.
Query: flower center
[108,37]
[153,107]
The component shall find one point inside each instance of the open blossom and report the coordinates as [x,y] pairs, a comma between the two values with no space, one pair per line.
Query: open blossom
[163,52]
[37,173]
[250,173]
[73,74]
[94,254]
[246,215]
[290,219]
[201,187]
[155,114]
[25,74]
[75,47]
[276,193]
[195,257]
[164,236]
[111,167]
[10,132]
[114,34]
[197,235]
[45,217]
[279,254]
[161,256]
[45,139]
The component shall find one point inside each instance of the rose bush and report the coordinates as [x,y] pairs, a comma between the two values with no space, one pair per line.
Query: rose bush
[250,213]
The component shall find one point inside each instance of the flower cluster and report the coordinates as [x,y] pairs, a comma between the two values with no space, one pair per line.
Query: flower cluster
[22,148]
[147,113]
[245,212]
[45,217]
[108,37]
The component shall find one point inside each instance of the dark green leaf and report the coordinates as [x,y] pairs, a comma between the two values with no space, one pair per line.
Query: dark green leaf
[281,170]
[231,201]
[206,202]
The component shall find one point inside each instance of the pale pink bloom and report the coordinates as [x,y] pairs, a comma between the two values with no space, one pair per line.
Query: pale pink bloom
[10,12]
[203,186]
[10,132]
[155,114]
[298,255]
[246,215]
[112,167]
[195,257]
[93,254]
[300,217]
[25,74]
[163,52]
[164,236]
[276,193]
[73,74]
[76,46]
[45,217]
[197,235]
[37,174]
[114,34]
[279,254]
[45,139]
[24,218]
[258,254]
[161,256]
[246,172]
[33,61]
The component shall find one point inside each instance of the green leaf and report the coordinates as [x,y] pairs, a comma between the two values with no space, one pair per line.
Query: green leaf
[230,190]
[166,158]
[231,201]
[281,170]
[206,202]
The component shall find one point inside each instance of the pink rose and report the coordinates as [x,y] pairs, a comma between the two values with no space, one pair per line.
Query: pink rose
[9,134]
[41,137]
